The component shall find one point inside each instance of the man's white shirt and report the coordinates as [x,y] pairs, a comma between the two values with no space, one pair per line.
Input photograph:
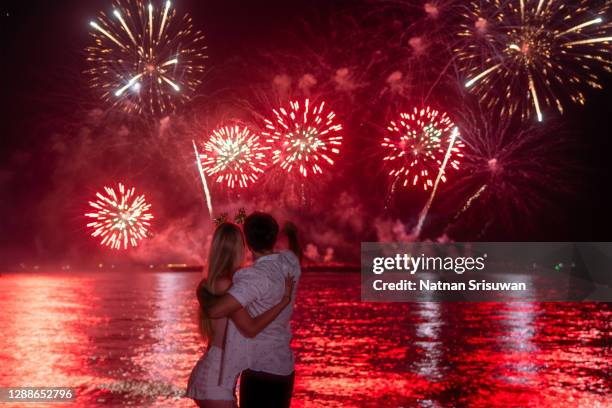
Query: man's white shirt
[258,288]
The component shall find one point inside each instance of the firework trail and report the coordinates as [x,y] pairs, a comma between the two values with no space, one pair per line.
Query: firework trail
[305,138]
[144,58]
[425,211]
[470,201]
[120,218]
[529,55]
[416,146]
[203,178]
[234,155]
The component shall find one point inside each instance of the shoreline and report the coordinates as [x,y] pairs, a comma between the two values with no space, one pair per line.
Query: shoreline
[167,268]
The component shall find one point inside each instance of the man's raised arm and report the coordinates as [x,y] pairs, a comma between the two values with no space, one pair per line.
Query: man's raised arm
[290,230]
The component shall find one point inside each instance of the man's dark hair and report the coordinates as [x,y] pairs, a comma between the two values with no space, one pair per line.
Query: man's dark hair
[260,231]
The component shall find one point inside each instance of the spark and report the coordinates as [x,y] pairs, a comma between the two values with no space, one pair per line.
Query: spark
[486,72]
[164,18]
[131,82]
[106,33]
[588,41]
[536,102]
[172,84]
[117,14]
[597,20]
[150,21]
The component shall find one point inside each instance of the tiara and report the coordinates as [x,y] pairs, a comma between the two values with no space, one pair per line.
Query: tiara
[238,218]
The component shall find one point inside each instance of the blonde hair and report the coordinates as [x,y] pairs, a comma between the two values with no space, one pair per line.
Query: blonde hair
[224,258]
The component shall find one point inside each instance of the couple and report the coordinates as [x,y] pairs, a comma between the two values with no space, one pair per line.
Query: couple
[245,315]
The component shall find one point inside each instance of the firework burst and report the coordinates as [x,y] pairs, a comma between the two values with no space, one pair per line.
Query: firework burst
[510,173]
[304,137]
[530,55]
[145,59]
[416,146]
[234,155]
[120,218]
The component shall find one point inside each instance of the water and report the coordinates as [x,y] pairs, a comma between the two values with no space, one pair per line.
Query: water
[131,339]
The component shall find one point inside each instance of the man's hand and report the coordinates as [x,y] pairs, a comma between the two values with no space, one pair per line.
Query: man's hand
[289,285]
[290,229]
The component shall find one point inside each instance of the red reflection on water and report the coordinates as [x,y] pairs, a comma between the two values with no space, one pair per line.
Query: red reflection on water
[132,339]
[41,343]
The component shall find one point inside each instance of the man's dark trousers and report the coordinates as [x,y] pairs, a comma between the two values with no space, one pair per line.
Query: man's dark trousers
[259,390]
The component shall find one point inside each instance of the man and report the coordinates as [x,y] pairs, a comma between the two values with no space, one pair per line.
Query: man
[267,364]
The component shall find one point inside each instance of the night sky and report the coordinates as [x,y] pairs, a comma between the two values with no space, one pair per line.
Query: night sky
[45,97]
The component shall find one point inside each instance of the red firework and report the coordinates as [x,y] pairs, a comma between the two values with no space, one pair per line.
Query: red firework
[120,218]
[234,155]
[417,144]
[304,137]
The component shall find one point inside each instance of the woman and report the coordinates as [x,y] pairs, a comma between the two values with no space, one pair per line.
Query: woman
[225,257]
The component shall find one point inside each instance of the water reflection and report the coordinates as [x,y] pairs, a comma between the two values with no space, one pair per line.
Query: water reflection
[41,341]
[132,339]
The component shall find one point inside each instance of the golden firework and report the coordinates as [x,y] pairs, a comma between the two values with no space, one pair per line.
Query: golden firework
[145,58]
[530,55]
